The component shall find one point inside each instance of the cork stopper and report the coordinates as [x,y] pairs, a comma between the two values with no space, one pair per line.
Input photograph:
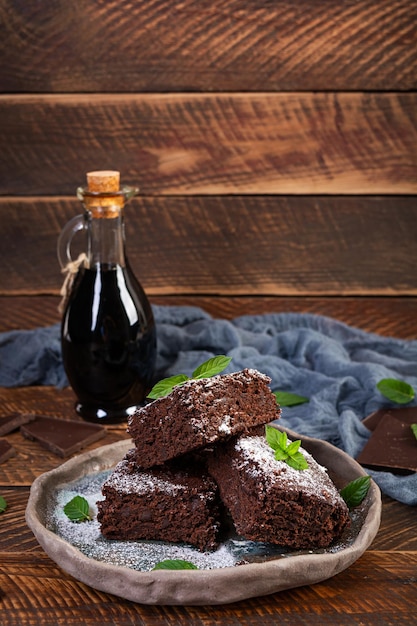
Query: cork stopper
[104,182]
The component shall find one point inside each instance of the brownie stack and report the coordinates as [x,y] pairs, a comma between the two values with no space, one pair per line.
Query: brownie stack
[203,447]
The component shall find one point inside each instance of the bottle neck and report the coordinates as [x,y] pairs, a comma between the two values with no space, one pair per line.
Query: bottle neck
[106,242]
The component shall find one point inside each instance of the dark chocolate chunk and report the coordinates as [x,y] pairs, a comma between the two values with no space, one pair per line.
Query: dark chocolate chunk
[392,445]
[62,437]
[406,414]
[6,450]
[9,423]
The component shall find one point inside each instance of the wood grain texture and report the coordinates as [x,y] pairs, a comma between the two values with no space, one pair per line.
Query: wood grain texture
[18,537]
[398,527]
[379,589]
[36,591]
[247,245]
[275,145]
[393,317]
[188,144]
[232,45]
[33,399]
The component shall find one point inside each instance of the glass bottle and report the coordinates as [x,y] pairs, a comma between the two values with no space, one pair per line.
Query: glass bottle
[108,335]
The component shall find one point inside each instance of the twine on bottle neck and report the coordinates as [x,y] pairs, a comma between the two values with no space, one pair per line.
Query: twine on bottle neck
[70,271]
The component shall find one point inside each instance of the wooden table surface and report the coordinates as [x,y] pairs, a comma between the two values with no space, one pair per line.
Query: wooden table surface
[380,589]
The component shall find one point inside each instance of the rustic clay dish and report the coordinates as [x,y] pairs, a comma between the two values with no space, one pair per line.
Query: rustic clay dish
[202,586]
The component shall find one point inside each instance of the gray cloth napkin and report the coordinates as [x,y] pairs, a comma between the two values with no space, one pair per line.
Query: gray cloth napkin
[336,366]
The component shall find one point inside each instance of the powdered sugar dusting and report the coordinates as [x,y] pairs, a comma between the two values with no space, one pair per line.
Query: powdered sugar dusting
[206,389]
[144,555]
[138,555]
[258,459]
[140,482]
[224,428]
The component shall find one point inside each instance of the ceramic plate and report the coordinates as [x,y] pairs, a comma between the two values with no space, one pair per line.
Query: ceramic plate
[238,570]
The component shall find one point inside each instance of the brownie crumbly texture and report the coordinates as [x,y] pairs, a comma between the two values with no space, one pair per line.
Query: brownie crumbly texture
[201,412]
[272,502]
[166,503]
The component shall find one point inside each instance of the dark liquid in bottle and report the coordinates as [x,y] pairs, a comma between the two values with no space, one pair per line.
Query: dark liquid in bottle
[108,343]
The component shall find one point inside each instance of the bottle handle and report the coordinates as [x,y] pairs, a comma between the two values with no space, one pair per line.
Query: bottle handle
[65,238]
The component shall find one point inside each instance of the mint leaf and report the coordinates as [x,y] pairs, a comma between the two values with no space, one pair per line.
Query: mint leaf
[284,398]
[3,504]
[77,509]
[276,438]
[293,447]
[283,450]
[355,491]
[414,429]
[213,366]
[174,564]
[165,386]
[396,390]
[280,455]
[297,461]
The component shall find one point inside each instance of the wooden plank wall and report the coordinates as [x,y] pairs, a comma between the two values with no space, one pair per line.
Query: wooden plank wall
[274,142]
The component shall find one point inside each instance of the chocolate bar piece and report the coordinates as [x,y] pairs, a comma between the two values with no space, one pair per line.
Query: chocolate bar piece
[62,437]
[407,414]
[6,450]
[392,445]
[9,423]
